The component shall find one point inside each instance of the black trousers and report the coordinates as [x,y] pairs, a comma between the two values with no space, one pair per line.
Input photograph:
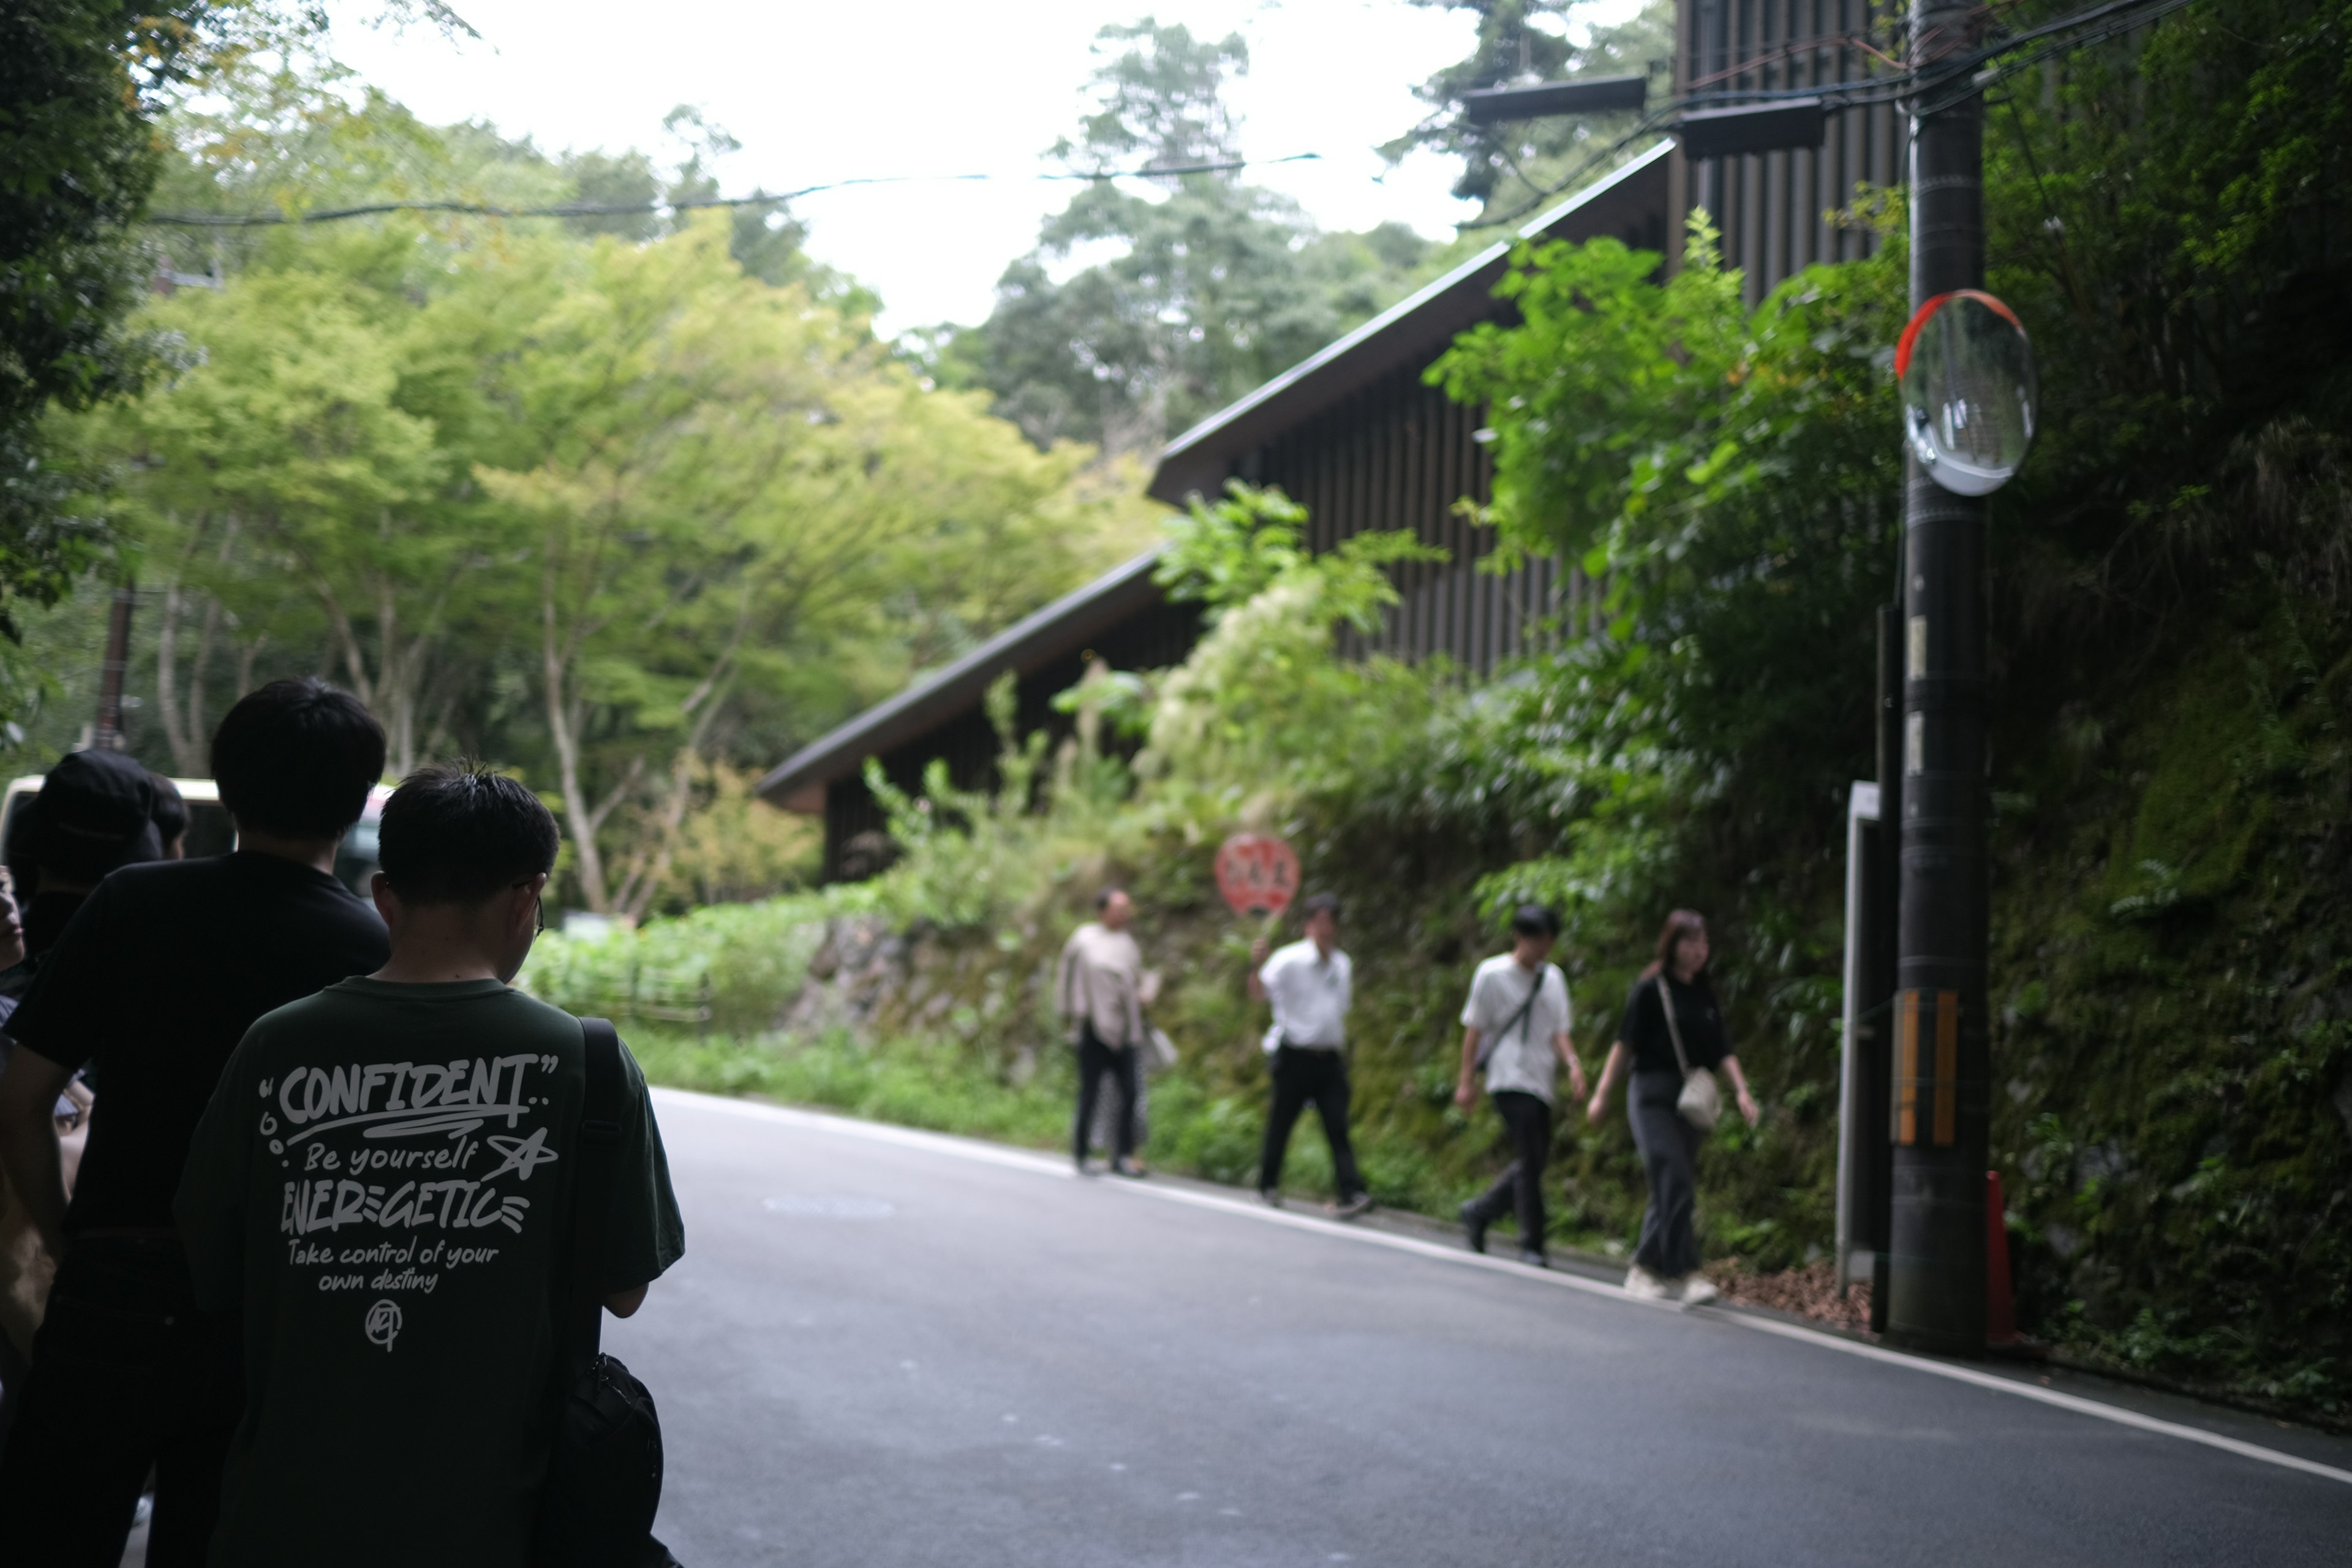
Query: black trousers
[1300,1078]
[1528,1119]
[1669,1148]
[125,1374]
[1096,1060]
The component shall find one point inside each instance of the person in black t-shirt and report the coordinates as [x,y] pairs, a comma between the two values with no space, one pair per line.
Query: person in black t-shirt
[159,974]
[383,1182]
[95,814]
[1665,1260]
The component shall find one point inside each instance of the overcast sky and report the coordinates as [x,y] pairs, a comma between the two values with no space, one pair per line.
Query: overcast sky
[819,92]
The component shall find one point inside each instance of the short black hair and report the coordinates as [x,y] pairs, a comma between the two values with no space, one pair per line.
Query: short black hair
[1103,898]
[1319,904]
[457,833]
[1534,919]
[171,816]
[297,758]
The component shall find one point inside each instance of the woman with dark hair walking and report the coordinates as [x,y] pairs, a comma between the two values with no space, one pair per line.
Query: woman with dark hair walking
[1672,1040]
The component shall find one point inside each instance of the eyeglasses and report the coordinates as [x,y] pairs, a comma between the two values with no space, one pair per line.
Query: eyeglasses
[538,909]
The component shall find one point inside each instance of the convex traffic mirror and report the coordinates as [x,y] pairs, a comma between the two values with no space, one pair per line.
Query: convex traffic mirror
[1970,394]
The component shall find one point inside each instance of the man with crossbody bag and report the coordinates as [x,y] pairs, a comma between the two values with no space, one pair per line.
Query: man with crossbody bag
[605,1476]
[385,1183]
[1515,1027]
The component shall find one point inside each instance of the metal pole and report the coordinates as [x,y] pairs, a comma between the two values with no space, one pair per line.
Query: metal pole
[107,734]
[1936,1267]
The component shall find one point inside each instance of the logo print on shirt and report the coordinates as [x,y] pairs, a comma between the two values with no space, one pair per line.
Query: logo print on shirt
[383,1324]
[523,1155]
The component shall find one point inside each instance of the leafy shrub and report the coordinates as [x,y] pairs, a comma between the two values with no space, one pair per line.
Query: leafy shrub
[736,966]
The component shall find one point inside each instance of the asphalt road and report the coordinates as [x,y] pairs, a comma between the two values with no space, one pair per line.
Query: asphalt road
[885,1347]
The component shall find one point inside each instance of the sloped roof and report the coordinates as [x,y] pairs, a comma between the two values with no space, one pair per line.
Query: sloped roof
[1415,329]
[1069,622]
[1412,331]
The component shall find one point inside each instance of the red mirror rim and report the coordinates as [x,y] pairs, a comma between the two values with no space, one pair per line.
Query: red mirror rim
[1919,319]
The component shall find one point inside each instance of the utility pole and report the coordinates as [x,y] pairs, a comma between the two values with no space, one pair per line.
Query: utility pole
[1940,1115]
[106,735]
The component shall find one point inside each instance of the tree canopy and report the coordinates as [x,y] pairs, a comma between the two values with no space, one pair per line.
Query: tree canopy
[1208,285]
[617,508]
[79,80]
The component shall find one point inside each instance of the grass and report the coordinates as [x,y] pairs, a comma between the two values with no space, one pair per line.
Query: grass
[945,1086]
[909,1082]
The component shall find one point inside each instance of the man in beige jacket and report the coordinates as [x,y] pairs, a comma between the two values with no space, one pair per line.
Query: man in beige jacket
[1100,994]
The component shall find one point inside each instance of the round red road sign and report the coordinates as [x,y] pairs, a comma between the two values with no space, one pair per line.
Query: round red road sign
[1257,874]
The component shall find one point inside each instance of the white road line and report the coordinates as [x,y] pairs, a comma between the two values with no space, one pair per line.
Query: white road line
[2073,1402]
[1039,1164]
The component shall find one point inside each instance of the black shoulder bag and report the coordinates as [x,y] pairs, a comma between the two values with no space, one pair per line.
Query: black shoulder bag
[605,1477]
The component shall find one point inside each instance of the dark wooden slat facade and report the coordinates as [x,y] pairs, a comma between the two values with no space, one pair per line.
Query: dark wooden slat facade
[1398,455]
[1772,207]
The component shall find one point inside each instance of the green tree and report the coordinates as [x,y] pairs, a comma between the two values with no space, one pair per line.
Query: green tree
[1511,167]
[1728,473]
[284,459]
[615,508]
[1214,286]
[1266,697]
[79,81]
[81,85]
[713,477]
[2168,665]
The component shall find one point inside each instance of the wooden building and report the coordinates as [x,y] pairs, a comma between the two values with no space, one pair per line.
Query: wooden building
[1354,435]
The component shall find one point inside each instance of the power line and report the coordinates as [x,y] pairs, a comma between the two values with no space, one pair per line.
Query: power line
[1934,87]
[758,199]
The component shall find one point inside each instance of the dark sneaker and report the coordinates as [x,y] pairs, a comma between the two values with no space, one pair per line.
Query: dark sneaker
[1084,1169]
[1270,1197]
[1534,1259]
[1133,1170]
[1474,1228]
[1348,1208]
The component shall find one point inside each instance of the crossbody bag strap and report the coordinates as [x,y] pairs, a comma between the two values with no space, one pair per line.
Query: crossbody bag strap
[1543,978]
[595,1151]
[1673,1030]
[1494,1041]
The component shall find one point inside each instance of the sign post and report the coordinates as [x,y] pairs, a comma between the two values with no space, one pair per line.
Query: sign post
[1257,874]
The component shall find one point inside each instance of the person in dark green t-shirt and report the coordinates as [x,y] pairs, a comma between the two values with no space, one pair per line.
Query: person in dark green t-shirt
[382,1183]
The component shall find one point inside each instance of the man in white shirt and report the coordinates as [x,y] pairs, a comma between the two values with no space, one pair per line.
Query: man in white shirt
[1515,1026]
[1309,984]
[1100,994]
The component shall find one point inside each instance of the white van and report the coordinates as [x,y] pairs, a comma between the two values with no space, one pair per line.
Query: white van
[210,832]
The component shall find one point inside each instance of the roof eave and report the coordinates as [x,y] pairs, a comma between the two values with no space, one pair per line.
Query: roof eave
[1195,462]
[1028,644]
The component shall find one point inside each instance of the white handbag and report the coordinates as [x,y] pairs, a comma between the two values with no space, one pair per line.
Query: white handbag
[1701,1102]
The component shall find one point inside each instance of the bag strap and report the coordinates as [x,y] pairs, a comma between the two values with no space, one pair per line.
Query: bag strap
[580,1332]
[1673,1030]
[1493,1041]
